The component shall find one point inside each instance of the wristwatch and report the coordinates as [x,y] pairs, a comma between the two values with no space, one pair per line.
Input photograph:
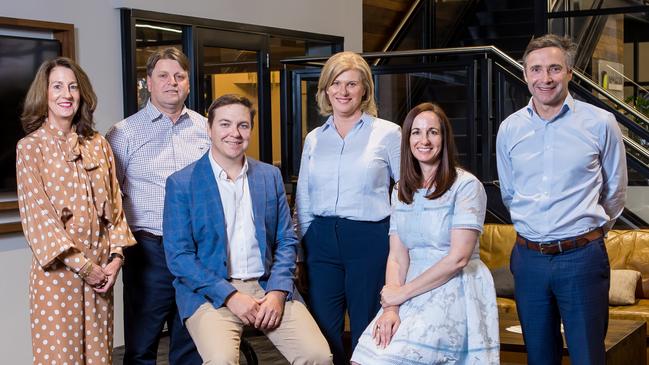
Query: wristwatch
[115,255]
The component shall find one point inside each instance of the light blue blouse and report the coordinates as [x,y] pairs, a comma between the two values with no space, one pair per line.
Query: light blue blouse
[428,223]
[350,177]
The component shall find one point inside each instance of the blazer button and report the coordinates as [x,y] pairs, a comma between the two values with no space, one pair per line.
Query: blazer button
[225,263]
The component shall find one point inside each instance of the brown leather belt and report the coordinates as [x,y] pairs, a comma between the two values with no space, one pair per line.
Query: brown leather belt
[555,247]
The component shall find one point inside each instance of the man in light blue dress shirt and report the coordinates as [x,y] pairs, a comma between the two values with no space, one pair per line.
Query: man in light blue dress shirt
[160,139]
[563,177]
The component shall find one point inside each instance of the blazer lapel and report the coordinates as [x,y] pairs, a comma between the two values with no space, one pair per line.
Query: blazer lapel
[208,190]
[258,196]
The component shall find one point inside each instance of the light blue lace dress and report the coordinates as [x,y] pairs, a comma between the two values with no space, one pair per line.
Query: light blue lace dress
[456,323]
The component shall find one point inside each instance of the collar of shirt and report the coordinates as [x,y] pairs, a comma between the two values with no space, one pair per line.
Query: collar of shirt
[365,119]
[568,104]
[219,172]
[153,114]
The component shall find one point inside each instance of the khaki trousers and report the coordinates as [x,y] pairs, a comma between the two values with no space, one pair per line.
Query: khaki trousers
[217,332]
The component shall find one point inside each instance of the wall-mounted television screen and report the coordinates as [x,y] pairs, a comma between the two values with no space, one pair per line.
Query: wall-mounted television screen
[19,60]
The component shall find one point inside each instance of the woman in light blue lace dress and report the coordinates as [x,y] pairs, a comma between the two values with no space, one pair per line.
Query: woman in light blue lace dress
[439,302]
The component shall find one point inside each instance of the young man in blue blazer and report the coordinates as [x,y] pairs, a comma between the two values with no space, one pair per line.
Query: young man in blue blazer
[229,241]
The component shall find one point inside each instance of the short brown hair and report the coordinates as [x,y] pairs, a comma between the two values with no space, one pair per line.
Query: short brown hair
[565,44]
[35,107]
[169,53]
[337,64]
[411,175]
[230,99]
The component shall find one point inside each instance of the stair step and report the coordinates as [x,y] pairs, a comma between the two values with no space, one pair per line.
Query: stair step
[500,30]
[514,46]
[507,4]
[505,16]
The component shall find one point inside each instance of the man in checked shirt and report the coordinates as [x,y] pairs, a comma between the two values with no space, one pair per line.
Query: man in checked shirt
[160,139]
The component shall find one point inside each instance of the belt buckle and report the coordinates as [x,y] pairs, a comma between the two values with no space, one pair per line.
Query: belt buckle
[544,248]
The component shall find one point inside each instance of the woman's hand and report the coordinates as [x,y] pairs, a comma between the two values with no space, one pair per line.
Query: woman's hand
[386,326]
[392,295]
[95,277]
[111,270]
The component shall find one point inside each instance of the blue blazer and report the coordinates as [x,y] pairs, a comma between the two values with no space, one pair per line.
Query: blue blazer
[195,239]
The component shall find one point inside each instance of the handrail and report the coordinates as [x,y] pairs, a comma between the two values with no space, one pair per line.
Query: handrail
[474,49]
[602,91]
[402,24]
[637,147]
[414,52]
[488,49]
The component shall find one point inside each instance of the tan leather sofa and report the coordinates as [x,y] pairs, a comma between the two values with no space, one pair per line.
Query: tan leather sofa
[627,249]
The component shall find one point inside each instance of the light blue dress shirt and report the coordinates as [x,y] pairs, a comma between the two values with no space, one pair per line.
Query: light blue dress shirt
[148,147]
[350,177]
[563,177]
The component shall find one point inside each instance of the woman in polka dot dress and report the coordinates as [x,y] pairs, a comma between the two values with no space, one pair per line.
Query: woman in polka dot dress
[71,211]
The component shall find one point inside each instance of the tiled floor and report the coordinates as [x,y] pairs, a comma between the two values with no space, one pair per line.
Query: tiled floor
[267,354]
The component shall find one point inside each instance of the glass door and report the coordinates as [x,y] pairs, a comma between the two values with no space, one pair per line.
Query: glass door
[235,63]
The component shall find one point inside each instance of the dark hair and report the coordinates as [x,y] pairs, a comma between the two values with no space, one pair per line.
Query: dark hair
[565,44]
[230,99]
[411,175]
[35,107]
[169,53]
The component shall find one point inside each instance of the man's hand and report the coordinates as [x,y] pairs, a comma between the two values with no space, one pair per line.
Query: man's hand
[271,310]
[243,306]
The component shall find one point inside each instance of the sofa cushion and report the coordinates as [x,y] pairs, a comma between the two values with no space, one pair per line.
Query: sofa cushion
[506,306]
[496,242]
[623,287]
[629,249]
[635,312]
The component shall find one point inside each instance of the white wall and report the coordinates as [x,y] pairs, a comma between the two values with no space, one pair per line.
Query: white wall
[99,52]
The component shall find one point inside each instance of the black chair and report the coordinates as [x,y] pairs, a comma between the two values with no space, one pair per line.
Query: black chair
[246,348]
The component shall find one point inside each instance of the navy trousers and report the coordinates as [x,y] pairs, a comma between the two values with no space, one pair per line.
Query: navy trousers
[345,263]
[571,287]
[149,303]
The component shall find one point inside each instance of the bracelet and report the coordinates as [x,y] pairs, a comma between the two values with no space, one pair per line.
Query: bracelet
[86,270]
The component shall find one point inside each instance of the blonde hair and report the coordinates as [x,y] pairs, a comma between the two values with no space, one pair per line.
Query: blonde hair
[337,64]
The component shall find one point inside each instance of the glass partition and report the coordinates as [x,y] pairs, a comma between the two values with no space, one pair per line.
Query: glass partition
[149,37]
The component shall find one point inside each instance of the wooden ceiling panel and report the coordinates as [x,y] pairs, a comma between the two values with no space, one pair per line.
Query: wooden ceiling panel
[380,19]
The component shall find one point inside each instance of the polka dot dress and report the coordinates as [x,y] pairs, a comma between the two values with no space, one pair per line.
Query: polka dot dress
[71,212]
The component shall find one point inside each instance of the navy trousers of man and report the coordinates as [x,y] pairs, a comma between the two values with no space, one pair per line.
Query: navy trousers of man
[571,287]
[149,303]
[345,262]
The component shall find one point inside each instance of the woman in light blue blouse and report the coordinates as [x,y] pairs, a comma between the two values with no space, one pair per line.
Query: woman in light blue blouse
[439,301]
[342,200]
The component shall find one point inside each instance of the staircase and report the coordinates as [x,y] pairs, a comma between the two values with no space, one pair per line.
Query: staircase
[506,24]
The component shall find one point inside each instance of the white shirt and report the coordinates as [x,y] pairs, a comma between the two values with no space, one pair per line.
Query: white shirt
[244,255]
